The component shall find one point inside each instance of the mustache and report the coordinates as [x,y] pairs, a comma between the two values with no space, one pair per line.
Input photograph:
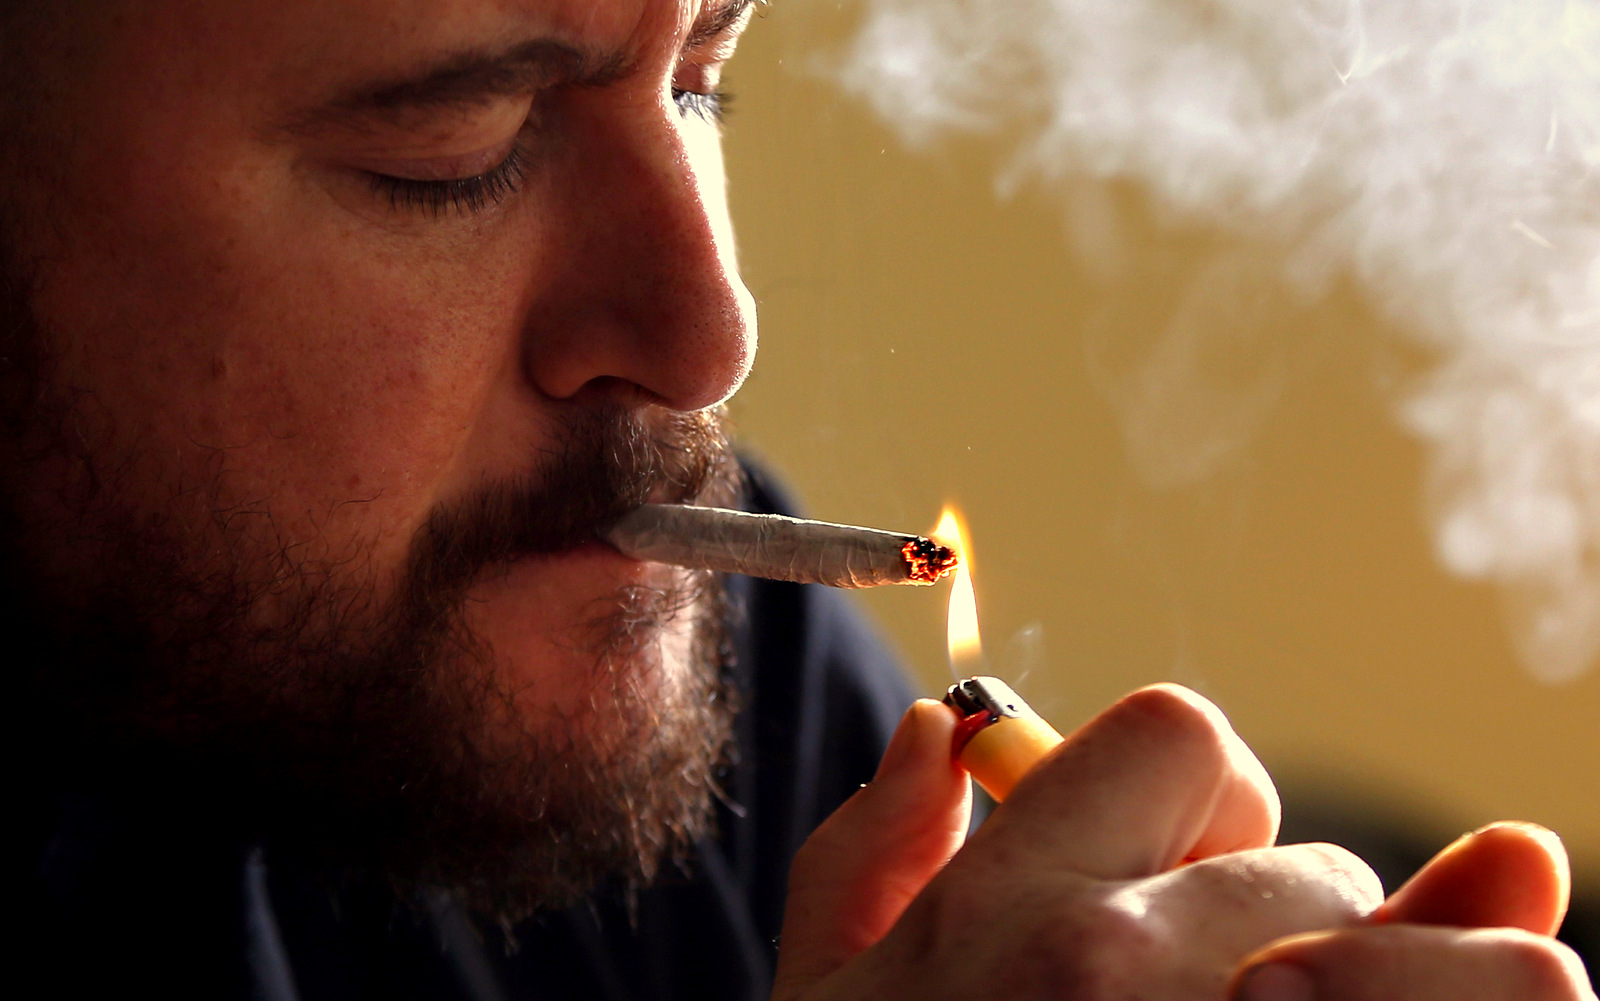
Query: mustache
[610,462]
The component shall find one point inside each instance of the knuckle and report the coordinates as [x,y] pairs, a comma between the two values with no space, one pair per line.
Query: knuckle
[809,854]
[816,848]
[1179,715]
[1224,876]
[1063,939]
[1544,969]
[1294,888]
[1331,856]
[819,854]
[1344,873]
[1101,948]
[941,917]
[1239,887]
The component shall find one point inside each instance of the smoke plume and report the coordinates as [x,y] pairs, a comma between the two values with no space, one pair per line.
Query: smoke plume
[1439,154]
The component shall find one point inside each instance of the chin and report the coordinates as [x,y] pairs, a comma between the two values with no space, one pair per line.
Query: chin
[612,724]
[567,632]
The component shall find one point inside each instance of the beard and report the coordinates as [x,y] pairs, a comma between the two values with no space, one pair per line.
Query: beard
[373,737]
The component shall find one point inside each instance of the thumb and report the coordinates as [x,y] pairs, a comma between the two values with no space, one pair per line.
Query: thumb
[855,875]
[1507,875]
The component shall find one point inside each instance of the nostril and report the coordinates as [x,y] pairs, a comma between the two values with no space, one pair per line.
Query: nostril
[609,390]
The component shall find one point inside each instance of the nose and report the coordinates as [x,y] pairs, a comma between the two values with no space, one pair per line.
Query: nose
[644,289]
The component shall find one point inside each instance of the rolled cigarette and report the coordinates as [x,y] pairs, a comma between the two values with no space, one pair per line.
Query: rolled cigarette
[999,736]
[776,547]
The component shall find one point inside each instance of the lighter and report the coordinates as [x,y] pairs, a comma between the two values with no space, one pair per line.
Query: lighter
[999,736]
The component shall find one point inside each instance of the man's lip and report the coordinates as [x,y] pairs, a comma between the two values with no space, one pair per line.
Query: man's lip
[595,550]
[660,495]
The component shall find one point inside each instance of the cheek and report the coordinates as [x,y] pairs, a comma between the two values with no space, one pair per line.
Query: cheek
[310,358]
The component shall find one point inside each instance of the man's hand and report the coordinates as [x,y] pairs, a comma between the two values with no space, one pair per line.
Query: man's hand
[1074,887]
[1135,861]
[1474,925]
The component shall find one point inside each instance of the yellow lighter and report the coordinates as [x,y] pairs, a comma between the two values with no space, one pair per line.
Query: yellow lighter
[999,736]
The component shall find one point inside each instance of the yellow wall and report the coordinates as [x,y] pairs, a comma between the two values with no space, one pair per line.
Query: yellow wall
[1264,542]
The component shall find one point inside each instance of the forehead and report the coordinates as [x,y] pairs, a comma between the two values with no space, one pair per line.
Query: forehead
[307,46]
[344,23]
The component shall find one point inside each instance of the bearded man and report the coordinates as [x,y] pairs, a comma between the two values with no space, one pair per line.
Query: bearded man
[333,334]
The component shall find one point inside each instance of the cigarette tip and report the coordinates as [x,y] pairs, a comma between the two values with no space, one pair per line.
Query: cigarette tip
[927,560]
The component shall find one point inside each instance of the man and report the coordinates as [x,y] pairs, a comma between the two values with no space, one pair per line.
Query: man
[334,331]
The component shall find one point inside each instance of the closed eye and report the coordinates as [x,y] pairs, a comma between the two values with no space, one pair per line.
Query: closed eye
[463,195]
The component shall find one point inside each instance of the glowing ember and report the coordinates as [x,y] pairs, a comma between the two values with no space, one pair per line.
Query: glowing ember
[927,560]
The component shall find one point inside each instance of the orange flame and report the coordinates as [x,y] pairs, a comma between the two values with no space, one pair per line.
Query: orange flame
[961,624]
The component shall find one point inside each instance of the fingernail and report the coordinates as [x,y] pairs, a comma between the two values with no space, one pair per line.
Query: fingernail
[1277,982]
[1538,832]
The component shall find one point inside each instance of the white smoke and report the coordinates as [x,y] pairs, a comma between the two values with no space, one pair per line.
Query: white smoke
[1440,153]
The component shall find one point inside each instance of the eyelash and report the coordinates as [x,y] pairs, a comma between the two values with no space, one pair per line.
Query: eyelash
[471,195]
[712,107]
[465,195]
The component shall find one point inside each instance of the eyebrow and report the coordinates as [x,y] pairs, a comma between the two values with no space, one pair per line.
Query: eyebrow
[716,17]
[471,77]
[463,79]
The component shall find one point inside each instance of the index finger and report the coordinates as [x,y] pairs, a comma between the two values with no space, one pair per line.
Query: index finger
[1158,778]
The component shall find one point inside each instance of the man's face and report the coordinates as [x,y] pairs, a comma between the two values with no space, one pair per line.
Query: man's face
[357,317]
